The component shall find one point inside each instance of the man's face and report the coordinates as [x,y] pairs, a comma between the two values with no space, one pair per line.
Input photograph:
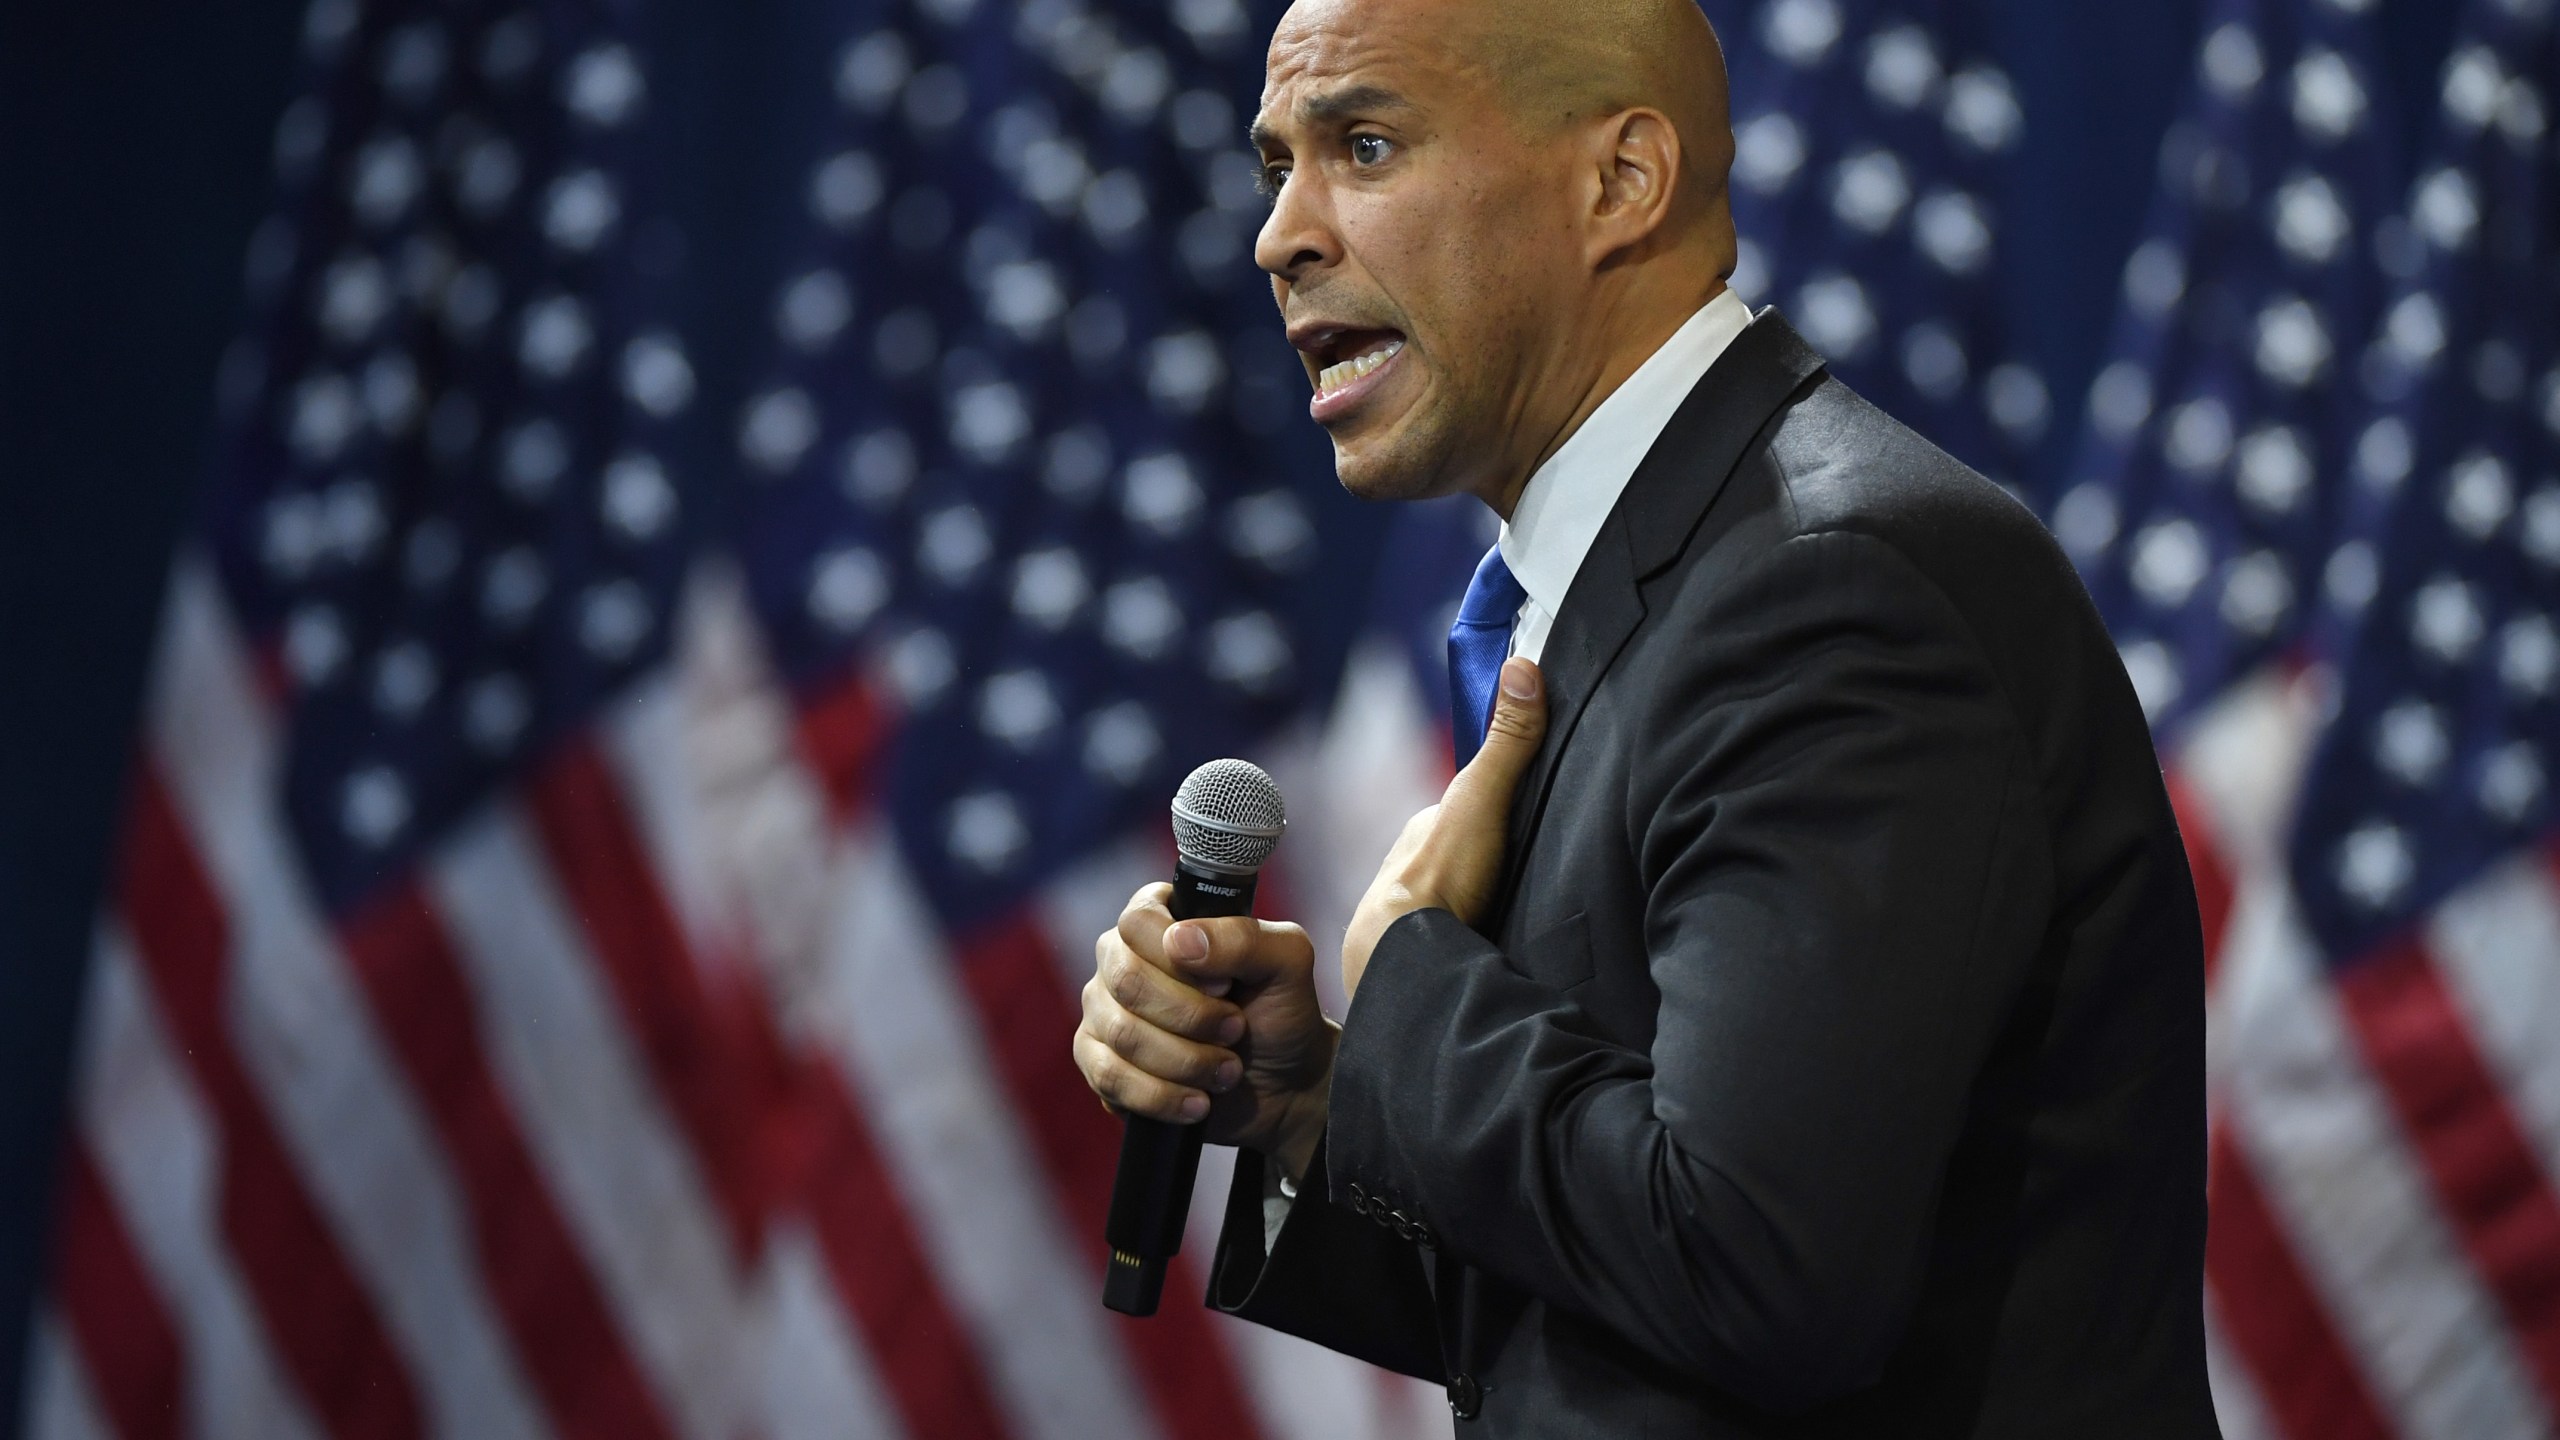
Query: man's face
[1418,246]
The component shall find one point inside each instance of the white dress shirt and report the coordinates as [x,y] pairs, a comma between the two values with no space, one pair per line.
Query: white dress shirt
[1561,512]
[1567,501]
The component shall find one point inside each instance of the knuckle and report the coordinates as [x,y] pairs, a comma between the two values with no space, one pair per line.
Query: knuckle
[1094,1062]
[1119,1083]
[1112,1075]
[1203,1067]
[1147,907]
[1137,925]
[1135,1089]
[1294,943]
[1120,1032]
[1127,984]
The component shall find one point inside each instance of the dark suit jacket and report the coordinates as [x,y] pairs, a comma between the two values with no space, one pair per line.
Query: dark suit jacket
[1834,1064]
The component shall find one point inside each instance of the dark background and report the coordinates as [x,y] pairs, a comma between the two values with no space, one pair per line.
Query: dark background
[134,163]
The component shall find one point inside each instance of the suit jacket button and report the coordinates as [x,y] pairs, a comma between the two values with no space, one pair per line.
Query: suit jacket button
[1359,1199]
[1466,1397]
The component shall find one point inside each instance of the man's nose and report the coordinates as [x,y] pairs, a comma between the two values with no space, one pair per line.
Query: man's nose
[1298,236]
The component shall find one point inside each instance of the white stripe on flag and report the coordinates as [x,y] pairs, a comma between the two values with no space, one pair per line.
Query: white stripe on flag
[2244,757]
[2339,1172]
[159,1158]
[322,1067]
[707,754]
[859,972]
[2235,1391]
[816,1380]
[623,1178]
[687,760]
[890,1009]
[59,1403]
[2497,944]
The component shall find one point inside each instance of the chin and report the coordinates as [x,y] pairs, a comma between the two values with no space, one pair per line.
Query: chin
[1395,466]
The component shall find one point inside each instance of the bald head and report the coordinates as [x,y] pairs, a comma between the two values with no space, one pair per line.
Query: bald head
[1487,214]
[1559,62]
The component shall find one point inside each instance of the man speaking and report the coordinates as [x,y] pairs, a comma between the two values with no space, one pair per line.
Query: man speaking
[1791,1021]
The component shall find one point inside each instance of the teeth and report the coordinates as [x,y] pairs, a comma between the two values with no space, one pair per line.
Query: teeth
[1337,376]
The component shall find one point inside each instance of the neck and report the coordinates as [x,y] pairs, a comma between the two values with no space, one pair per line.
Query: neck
[1647,325]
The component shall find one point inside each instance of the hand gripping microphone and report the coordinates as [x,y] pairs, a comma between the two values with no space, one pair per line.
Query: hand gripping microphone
[1227,820]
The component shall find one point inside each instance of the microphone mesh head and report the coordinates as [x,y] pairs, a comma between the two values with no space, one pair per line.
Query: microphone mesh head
[1228,816]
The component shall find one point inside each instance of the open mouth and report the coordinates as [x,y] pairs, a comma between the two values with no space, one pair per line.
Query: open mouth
[1346,365]
[1360,357]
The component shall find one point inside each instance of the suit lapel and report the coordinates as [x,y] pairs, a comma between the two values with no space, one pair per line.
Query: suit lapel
[1669,494]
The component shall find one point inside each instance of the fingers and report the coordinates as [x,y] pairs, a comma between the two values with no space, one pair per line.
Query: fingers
[1238,951]
[1125,1087]
[1156,1051]
[1143,928]
[1519,716]
[1510,743]
[1217,954]
[1163,999]
[1142,924]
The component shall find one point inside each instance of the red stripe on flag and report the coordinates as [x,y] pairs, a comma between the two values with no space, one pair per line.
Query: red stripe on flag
[137,1369]
[564,1331]
[2487,1177]
[2274,1317]
[842,732]
[1030,1020]
[2215,882]
[870,1247]
[722,1102]
[758,1119]
[322,1323]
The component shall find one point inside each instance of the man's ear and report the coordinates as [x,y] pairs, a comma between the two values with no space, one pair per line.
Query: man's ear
[1639,158]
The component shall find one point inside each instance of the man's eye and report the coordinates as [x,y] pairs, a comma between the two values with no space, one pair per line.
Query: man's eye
[1273,177]
[1368,149]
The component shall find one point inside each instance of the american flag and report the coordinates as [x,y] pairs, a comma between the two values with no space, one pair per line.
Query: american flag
[595,945]
[596,940]
[1870,144]
[2305,504]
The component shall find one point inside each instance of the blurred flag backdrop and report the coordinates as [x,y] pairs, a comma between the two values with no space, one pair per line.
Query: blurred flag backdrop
[595,944]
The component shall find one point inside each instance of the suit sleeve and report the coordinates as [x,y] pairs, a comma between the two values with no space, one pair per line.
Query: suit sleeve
[1844,873]
[1331,1277]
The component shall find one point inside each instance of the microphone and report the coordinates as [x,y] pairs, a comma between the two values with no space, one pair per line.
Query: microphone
[1227,820]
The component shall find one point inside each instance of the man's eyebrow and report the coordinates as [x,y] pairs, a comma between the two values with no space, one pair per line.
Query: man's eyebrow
[1331,108]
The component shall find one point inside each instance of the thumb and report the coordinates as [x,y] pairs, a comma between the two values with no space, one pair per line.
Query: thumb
[1519,724]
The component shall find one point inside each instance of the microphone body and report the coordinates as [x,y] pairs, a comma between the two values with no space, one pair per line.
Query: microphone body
[1226,821]
[1159,1160]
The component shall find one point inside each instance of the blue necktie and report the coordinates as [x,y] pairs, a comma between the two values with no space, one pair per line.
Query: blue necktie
[1478,644]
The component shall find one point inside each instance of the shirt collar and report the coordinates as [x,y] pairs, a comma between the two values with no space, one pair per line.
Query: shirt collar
[1565,504]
